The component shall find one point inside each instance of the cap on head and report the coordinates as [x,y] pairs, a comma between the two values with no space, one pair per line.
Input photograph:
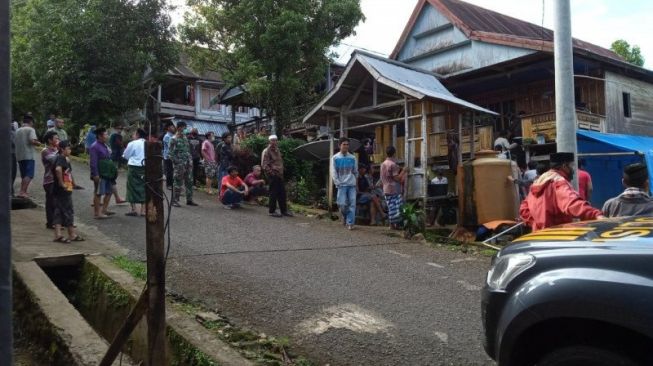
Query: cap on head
[562,157]
[272,137]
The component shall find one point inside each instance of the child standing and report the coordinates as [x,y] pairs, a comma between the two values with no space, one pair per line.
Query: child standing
[63,202]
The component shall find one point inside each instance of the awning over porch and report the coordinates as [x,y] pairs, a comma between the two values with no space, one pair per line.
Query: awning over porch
[606,155]
[373,88]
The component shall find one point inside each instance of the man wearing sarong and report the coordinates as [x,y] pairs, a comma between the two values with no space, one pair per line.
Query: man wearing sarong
[392,176]
[135,156]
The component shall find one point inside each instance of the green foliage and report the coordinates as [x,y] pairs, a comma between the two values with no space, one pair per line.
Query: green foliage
[631,54]
[299,174]
[302,191]
[255,144]
[85,59]
[277,48]
[135,268]
[412,219]
[185,353]
[293,167]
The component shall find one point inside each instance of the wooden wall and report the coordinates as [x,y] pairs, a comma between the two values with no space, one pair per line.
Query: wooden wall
[641,99]
[437,129]
[539,97]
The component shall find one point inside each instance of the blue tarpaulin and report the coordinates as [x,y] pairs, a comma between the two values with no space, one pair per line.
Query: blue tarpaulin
[612,155]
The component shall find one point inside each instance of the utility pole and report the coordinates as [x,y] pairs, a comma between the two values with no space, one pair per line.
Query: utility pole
[564,81]
[154,236]
[6,341]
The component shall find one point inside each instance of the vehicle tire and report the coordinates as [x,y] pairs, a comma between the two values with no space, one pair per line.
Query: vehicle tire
[584,356]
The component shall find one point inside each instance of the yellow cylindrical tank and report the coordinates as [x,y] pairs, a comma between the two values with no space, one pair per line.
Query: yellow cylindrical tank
[496,197]
[488,192]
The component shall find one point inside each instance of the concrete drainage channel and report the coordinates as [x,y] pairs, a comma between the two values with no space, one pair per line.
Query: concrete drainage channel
[70,306]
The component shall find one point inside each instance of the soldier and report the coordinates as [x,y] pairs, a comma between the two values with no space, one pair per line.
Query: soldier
[182,163]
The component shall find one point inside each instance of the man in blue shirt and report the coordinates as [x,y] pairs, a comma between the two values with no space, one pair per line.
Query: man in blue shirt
[344,170]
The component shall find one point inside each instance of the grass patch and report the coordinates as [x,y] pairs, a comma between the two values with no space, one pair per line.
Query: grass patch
[135,268]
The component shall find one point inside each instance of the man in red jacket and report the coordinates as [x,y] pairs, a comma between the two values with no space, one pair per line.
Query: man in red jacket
[552,200]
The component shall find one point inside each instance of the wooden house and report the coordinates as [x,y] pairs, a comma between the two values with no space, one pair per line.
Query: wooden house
[403,104]
[189,96]
[506,65]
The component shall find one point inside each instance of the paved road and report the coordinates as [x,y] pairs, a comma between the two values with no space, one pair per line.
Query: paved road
[344,298]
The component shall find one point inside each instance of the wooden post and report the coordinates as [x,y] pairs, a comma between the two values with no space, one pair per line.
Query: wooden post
[329,177]
[154,237]
[460,138]
[424,155]
[472,144]
[407,143]
[343,123]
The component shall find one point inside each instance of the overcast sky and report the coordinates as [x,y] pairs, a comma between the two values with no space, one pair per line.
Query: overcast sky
[597,21]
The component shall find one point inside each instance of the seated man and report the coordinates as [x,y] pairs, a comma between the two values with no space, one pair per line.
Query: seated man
[635,200]
[442,184]
[256,184]
[366,195]
[233,189]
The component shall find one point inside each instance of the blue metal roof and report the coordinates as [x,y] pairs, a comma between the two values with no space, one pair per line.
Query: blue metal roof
[205,126]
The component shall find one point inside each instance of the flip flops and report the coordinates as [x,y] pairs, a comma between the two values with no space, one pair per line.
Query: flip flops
[76,238]
[61,239]
[133,214]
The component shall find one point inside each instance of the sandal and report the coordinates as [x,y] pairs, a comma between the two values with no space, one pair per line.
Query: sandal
[101,217]
[133,214]
[76,238]
[61,239]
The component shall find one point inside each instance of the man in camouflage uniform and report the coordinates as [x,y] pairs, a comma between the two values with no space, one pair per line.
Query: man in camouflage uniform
[182,163]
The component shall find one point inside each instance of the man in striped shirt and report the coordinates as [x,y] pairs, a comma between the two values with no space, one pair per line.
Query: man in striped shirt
[344,170]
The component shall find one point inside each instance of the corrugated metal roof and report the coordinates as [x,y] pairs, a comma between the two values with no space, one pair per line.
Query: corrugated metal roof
[205,126]
[489,26]
[407,79]
[420,81]
[484,20]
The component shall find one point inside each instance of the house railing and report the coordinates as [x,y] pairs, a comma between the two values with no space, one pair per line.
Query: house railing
[542,126]
[177,109]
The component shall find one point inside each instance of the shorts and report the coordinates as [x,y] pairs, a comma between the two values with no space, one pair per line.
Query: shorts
[103,187]
[364,198]
[211,169]
[26,168]
[63,213]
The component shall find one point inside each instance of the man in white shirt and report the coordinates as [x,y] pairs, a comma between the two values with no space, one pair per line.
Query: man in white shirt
[502,145]
[135,156]
[439,178]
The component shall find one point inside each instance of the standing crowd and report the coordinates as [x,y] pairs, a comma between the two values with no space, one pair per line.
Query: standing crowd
[548,197]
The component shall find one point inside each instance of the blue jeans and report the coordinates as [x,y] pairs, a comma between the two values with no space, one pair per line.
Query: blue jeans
[232,198]
[346,200]
[221,174]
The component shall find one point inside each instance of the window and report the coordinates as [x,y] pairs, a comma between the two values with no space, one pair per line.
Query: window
[626,100]
[242,110]
[208,95]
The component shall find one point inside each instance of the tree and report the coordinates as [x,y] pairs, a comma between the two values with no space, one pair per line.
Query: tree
[277,47]
[86,59]
[632,55]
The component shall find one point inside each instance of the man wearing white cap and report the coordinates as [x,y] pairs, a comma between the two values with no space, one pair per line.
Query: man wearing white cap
[272,164]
